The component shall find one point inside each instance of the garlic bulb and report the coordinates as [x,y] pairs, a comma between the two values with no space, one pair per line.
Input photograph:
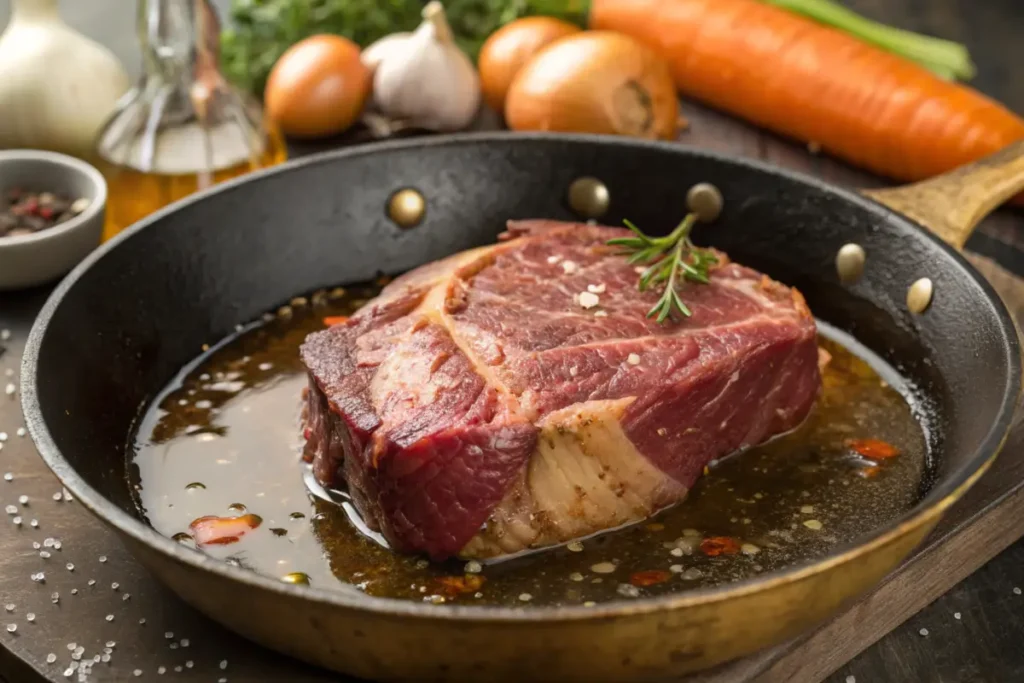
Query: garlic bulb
[424,79]
[380,49]
[57,87]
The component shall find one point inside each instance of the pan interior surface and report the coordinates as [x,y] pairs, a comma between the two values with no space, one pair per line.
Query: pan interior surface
[224,440]
[121,327]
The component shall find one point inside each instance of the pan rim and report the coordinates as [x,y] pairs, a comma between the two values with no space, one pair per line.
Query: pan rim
[928,509]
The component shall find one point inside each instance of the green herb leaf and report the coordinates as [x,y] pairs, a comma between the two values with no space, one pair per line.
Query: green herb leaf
[264,29]
[672,258]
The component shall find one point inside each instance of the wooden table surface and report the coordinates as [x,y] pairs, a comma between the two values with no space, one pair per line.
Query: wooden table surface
[983,643]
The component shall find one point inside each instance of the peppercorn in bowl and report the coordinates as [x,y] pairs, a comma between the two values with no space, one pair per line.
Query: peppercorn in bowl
[52,208]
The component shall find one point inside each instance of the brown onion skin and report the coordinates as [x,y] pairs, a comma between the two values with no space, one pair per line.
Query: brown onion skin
[595,82]
[318,87]
[510,47]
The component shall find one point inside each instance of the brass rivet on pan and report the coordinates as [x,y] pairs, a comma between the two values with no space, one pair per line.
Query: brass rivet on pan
[919,296]
[297,578]
[589,197]
[407,207]
[850,263]
[705,200]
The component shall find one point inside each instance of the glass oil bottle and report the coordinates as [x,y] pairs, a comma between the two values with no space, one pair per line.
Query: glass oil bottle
[183,127]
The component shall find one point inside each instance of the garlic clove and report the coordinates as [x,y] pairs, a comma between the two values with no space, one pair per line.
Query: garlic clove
[380,49]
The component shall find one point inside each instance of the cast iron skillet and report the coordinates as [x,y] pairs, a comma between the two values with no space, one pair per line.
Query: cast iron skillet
[123,323]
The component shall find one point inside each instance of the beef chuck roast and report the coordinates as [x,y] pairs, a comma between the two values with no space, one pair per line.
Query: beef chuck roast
[477,408]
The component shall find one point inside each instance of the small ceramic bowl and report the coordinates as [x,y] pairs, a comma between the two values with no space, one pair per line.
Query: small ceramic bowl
[29,260]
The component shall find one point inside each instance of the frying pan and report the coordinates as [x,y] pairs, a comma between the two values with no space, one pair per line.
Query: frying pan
[122,324]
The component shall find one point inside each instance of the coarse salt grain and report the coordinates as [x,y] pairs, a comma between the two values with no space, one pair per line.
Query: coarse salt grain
[574,546]
[596,289]
[223,664]
[21,431]
[525,597]
[554,259]
[8,476]
[3,436]
[923,632]
[851,679]
[956,615]
[109,617]
[633,359]
[30,616]
[628,590]
[473,567]
[1016,591]
[56,496]
[813,524]
[600,314]
[589,300]
[569,267]
[11,509]
[23,500]
[51,658]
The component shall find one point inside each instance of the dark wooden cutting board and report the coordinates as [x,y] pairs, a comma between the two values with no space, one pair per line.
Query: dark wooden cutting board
[150,628]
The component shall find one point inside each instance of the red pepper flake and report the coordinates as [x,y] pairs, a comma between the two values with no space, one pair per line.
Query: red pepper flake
[213,530]
[453,586]
[869,472]
[333,320]
[875,449]
[649,578]
[714,546]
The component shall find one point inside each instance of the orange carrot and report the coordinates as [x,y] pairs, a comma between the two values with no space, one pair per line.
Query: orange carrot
[816,84]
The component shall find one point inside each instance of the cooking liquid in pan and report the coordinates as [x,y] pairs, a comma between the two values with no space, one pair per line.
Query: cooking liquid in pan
[224,439]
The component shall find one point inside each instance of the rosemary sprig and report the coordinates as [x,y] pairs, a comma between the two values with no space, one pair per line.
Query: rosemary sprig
[673,258]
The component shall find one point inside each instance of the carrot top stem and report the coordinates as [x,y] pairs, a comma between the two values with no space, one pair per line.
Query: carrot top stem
[944,57]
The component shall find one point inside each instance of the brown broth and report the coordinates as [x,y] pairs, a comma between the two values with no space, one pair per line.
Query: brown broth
[229,421]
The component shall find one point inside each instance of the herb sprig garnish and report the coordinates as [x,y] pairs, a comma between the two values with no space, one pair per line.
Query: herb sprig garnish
[674,258]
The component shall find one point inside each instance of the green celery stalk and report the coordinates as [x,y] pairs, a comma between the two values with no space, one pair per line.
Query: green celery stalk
[944,57]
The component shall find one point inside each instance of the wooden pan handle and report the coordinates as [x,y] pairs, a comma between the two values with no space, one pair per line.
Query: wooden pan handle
[952,204]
